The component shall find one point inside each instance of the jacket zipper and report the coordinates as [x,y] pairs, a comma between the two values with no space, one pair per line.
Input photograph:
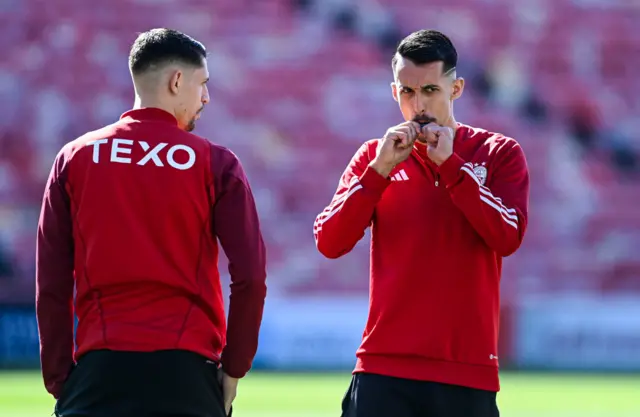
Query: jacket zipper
[429,170]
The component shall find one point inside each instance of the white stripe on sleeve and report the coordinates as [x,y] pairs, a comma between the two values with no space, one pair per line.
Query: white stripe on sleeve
[508,214]
[339,202]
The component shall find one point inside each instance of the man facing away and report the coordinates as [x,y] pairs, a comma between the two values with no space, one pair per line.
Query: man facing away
[445,202]
[130,219]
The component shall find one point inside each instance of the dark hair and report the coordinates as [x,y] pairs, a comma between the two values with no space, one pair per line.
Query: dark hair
[426,46]
[161,46]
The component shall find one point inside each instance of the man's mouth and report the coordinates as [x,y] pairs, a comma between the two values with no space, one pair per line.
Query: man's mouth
[424,120]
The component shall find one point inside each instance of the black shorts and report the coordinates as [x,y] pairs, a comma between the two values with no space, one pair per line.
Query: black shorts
[371,395]
[170,383]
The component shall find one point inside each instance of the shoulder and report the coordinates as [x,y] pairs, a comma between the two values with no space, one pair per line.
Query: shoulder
[68,152]
[94,137]
[489,137]
[367,151]
[221,152]
[225,164]
[371,144]
[497,145]
[222,156]
[196,140]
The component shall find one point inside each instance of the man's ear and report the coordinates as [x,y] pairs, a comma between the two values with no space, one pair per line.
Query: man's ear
[394,91]
[175,81]
[458,88]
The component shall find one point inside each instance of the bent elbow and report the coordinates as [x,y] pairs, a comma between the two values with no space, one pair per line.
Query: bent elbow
[509,248]
[258,286]
[327,250]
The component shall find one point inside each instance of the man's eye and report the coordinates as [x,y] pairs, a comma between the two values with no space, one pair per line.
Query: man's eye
[406,91]
[430,89]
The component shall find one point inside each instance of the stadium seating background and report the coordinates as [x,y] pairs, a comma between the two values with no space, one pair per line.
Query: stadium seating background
[297,85]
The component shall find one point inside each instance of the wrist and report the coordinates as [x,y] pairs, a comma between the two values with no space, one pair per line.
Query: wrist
[382,168]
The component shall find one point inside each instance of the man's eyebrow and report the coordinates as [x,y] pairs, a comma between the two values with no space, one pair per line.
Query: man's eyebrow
[422,87]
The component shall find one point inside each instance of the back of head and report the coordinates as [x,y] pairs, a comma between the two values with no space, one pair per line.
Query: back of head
[158,47]
[427,46]
[169,71]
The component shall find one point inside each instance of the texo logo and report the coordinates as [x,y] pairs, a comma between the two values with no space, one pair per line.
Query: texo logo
[121,147]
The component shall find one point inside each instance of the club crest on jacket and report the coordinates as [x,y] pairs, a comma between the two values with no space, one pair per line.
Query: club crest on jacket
[481,172]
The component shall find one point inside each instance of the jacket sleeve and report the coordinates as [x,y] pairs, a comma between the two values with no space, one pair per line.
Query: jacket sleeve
[236,224]
[54,280]
[343,222]
[498,213]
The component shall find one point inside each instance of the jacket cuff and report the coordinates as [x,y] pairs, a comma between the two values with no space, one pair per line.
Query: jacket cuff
[374,182]
[450,170]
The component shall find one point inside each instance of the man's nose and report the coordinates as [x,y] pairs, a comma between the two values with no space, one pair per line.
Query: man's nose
[418,104]
[205,96]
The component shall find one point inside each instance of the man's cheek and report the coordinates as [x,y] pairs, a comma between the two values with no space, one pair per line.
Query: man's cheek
[407,108]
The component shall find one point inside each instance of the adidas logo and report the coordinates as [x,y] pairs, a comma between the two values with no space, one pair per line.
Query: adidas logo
[400,176]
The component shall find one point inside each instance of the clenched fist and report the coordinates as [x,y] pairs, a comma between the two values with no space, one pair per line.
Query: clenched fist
[439,140]
[395,147]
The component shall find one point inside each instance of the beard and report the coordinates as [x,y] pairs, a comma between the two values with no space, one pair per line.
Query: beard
[191,125]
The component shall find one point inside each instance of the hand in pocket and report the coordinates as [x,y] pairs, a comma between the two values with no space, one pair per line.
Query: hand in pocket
[229,390]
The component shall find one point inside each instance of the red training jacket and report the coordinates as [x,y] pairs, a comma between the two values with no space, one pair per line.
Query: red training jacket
[131,216]
[438,236]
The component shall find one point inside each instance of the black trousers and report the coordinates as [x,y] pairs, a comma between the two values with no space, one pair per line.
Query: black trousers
[170,383]
[371,395]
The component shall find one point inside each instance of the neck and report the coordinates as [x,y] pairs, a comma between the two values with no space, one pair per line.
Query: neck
[145,102]
[452,123]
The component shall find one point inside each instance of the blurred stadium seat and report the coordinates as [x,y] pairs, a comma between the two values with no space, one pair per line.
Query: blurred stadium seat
[298,85]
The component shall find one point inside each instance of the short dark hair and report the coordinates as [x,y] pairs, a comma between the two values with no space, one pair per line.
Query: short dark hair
[426,46]
[162,46]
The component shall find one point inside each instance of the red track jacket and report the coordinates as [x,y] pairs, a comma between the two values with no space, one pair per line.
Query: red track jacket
[438,236]
[131,218]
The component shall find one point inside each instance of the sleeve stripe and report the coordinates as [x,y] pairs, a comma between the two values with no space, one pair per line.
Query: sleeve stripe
[505,211]
[495,206]
[499,200]
[508,215]
[337,205]
[355,182]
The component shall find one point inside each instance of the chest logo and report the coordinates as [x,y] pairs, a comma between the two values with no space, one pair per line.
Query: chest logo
[400,176]
[481,172]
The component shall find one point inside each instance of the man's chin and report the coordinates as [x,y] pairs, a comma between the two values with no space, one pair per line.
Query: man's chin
[191,126]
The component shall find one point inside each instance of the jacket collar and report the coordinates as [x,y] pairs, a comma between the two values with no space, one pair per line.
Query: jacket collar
[150,114]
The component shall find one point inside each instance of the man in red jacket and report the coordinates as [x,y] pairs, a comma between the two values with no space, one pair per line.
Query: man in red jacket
[130,219]
[445,202]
